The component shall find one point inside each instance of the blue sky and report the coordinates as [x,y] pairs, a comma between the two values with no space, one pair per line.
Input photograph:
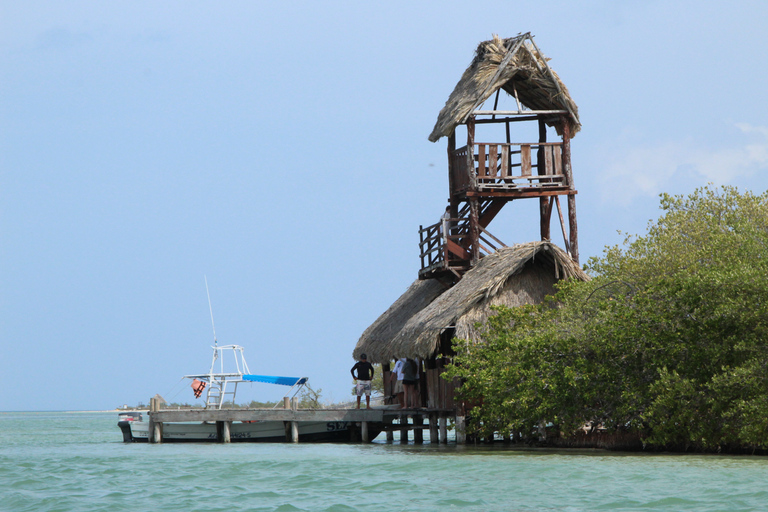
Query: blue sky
[280,149]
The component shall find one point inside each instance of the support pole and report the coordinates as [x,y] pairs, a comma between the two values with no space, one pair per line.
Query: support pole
[573,227]
[403,429]
[545,208]
[443,429]
[287,424]
[418,433]
[364,431]
[461,436]
[474,230]
[294,424]
[155,433]
[433,428]
[225,431]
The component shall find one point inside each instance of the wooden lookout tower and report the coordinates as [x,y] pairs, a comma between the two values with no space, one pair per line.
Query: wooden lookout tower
[520,148]
[493,167]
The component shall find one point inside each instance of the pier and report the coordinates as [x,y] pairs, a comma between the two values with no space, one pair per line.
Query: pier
[360,423]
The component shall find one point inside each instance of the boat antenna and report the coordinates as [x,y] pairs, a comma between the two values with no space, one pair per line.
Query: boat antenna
[215,342]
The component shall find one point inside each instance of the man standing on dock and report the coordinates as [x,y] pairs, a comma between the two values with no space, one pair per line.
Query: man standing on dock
[363,379]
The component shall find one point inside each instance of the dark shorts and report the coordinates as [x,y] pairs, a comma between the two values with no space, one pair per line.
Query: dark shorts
[408,382]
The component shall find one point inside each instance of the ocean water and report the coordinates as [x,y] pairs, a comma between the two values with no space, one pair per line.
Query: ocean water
[78,462]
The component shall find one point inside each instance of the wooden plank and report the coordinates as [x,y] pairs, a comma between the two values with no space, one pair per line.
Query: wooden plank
[457,250]
[504,161]
[557,159]
[493,160]
[481,168]
[515,112]
[200,415]
[519,193]
[525,160]
[547,162]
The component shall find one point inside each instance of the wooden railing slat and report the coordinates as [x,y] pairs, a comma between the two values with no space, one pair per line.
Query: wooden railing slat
[493,160]
[481,171]
[557,152]
[525,160]
[505,161]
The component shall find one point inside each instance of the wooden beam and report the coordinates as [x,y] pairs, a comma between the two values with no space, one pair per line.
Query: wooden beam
[491,211]
[573,227]
[327,415]
[562,224]
[457,250]
[522,193]
[517,112]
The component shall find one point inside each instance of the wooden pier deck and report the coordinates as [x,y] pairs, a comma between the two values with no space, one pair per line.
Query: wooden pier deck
[363,421]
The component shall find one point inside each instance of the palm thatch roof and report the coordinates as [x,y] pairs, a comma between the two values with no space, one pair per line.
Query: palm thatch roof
[381,332]
[513,276]
[513,64]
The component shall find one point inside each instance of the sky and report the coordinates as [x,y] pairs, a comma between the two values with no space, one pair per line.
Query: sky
[279,150]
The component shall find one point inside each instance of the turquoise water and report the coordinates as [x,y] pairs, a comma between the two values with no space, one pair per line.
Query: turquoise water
[77,462]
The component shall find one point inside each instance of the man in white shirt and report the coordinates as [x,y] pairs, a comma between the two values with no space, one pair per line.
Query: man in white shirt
[397,373]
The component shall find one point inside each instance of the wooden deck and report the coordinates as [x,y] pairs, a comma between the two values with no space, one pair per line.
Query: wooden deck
[386,420]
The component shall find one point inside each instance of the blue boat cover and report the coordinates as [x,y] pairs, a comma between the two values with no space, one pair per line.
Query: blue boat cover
[283,381]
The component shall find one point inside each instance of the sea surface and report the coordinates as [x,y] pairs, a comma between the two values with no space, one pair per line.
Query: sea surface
[78,462]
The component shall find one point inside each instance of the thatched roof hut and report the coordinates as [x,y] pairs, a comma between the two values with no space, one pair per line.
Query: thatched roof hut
[512,276]
[515,65]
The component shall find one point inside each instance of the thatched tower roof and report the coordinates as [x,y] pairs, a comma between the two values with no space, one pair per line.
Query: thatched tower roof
[512,276]
[381,332]
[510,64]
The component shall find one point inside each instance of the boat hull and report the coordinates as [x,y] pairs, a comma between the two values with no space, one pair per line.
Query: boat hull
[258,431]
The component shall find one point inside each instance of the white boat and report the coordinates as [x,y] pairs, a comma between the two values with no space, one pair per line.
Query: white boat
[220,387]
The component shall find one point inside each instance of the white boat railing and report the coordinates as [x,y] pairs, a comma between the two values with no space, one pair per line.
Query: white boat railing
[218,382]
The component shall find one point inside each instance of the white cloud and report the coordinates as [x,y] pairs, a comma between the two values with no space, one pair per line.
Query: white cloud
[636,172]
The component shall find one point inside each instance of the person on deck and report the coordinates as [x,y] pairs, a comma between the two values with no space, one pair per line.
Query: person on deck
[410,381]
[397,373]
[363,379]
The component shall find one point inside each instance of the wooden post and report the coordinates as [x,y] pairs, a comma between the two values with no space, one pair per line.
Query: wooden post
[471,153]
[223,429]
[403,429]
[572,226]
[155,433]
[451,149]
[287,424]
[364,431]
[433,428]
[461,436]
[544,207]
[295,424]
[474,230]
[151,426]
[418,433]
[443,429]
[390,432]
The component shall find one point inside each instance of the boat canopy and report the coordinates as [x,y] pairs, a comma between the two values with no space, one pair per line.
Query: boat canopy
[283,381]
